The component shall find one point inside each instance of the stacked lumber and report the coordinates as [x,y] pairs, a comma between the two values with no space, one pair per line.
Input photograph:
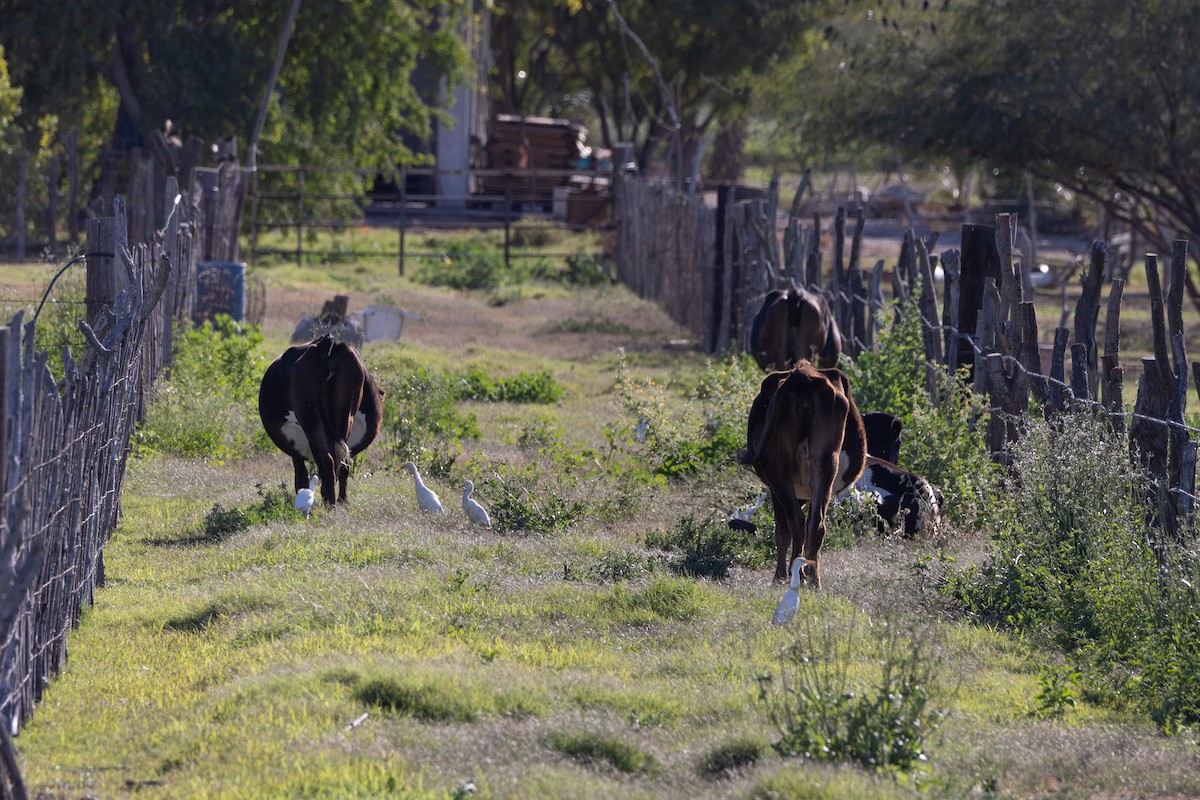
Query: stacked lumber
[532,143]
[516,142]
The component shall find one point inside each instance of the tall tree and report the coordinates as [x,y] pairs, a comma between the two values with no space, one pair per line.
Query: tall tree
[347,86]
[704,51]
[1100,96]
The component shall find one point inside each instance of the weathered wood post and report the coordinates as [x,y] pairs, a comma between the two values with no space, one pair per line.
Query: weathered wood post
[979,263]
[1114,373]
[1087,311]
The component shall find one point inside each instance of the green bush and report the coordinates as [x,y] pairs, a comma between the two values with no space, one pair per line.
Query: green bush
[708,549]
[419,413]
[1071,558]
[824,713]
[464,265]
[206,406]
[941,437]
[588,746]
[705,435]
[274,503]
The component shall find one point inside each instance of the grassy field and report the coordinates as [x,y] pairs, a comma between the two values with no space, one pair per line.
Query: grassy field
[375,651]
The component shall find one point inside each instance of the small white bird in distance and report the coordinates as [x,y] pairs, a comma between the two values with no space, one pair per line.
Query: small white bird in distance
[475,512]
[741,517]
[791,598]
[305,497]
[643,427]
[427,498]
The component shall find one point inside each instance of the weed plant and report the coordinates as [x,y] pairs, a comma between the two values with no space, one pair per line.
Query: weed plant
[827,707]
[940,438]
[206,406]
[274,503]
[1071,559]
[705,435]
[708,548]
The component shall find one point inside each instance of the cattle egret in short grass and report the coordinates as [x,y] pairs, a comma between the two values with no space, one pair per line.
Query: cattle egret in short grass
[791,598]
[304,497]
[741,517]
[427,498]
[475,512]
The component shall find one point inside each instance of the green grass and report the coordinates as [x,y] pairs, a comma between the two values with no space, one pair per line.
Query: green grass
[569,663]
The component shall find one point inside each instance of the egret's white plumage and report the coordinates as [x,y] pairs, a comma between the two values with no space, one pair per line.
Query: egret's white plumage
[305,497]
[475,512]
[427,498]
[791,598]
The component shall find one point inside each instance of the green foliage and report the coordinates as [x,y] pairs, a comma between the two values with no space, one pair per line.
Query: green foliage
[517,508]
[705,435]
[274,503]
[419,413]
[1059,692]
[586,270]
[428,702]
[464,265]
[887,378]
[524,387]
[823,712]
[1071,558]
[941,440]
[589,746]
[58,322]
[206,406]
[709,548]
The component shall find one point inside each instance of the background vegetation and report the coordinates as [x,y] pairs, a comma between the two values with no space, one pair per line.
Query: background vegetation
[608,637]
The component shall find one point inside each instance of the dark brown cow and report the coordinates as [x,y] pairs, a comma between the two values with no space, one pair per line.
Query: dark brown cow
[794,325]
[319,405]
[805,441]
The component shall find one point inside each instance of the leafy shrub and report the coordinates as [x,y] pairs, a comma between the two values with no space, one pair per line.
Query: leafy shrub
[586,270]
[274,503]
[730,757]
[524,387]
[464,265]
[206,406]
[941,439]
[420,413]
[822,713]
[1071,558]
[888,377]
[709,549]
[515,508]
[705,435]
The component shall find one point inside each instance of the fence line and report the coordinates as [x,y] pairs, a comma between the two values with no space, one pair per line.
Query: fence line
[984,287]
[65,443]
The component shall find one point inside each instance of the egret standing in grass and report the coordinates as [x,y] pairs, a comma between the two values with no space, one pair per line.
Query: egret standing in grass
[791,598]
[304,497]
[475,512]
[427,498]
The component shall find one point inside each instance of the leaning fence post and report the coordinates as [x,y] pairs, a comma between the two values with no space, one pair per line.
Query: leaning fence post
[1114,373]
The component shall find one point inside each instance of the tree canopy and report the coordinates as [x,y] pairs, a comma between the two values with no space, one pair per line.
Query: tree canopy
[704,51]
[1101,97]
[346,91]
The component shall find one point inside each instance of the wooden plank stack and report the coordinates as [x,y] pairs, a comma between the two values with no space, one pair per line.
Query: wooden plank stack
[532,143]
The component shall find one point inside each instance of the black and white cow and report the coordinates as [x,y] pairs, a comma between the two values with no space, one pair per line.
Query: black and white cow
[907,500]
[319,405]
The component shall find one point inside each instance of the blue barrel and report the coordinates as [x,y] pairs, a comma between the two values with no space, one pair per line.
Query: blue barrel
[220,289]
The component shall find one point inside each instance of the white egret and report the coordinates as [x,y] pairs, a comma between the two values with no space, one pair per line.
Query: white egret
[305,497]
[791,598]
[427,498]
[475,512]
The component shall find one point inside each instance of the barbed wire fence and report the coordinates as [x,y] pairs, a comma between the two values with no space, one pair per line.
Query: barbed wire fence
[65,441]
[985,321]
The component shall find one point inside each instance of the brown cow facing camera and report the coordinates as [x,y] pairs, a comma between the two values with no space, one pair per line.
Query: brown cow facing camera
[319,406]
[805,441]
[794,325]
